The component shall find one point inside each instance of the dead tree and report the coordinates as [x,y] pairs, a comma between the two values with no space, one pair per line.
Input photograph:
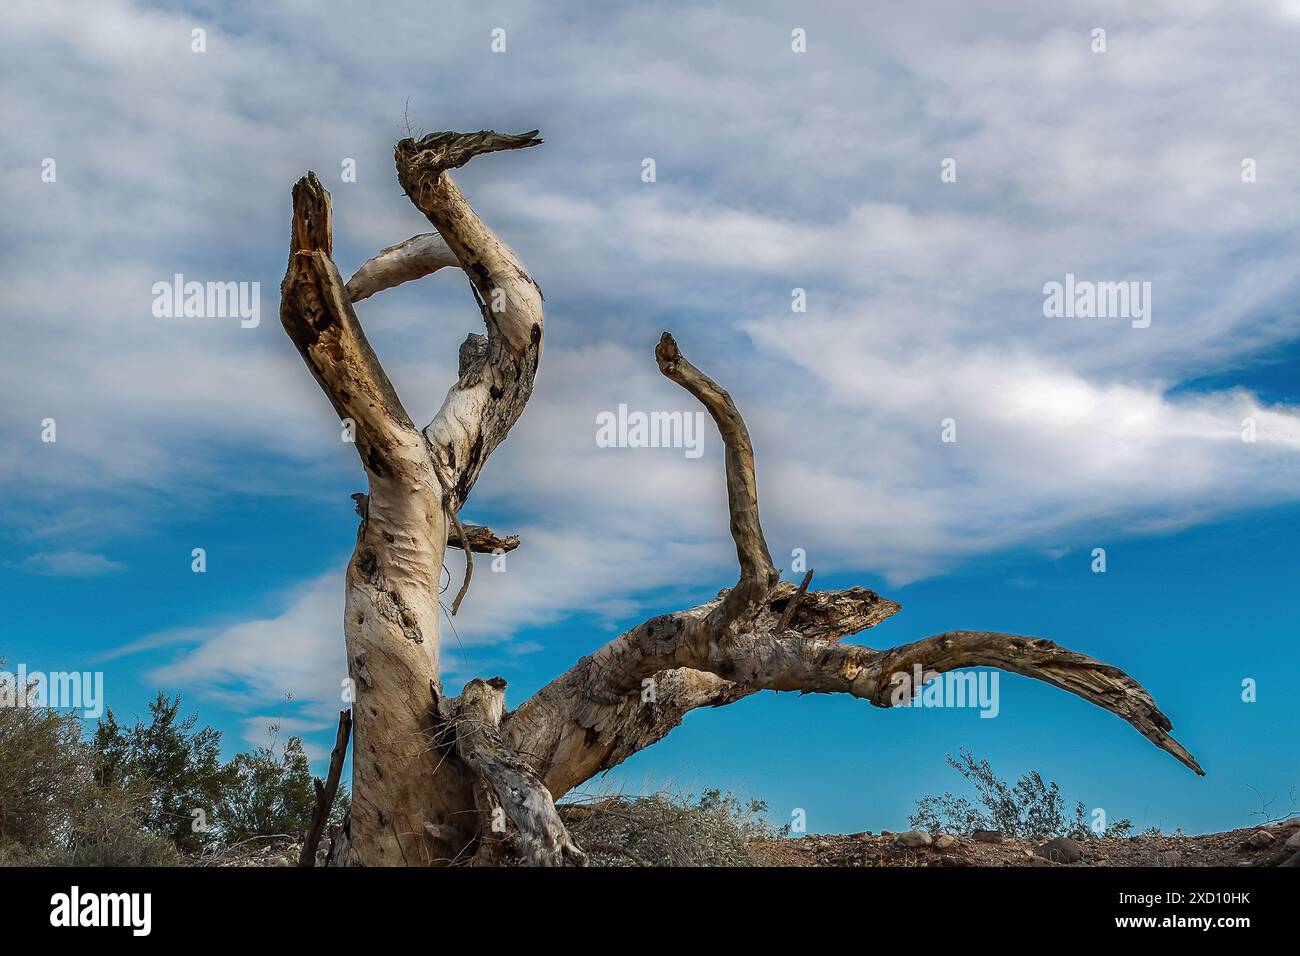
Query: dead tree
[326,791]
[442,780]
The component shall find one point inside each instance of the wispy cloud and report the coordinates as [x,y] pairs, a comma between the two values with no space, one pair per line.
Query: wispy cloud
[297,653]
[70,564]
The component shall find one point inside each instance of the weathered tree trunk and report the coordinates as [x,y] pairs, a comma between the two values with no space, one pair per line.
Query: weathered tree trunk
[443,780]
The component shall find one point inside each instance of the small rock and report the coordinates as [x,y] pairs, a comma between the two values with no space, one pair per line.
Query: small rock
[1169,858]
[944,840]
[913,838]
[1262,838]
[823,844]
[988,836]
[1060,850]
[886,833]
[1293,841]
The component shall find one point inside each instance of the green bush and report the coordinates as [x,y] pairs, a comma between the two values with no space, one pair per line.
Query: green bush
[148,794]
[266,794]
[1031,808]
[177,767]
[53,810]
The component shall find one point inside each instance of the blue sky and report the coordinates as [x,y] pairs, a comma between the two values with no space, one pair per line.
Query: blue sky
[775,170]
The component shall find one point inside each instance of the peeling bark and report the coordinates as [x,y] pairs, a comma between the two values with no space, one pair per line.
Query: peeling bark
[516,793]
[601,711]
[409,808]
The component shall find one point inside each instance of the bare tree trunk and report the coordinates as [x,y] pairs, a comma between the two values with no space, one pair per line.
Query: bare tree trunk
[441,780]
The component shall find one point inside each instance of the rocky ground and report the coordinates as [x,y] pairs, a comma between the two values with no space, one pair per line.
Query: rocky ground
[1270,845]
[270,851]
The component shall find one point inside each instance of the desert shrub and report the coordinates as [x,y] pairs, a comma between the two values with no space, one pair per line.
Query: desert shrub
[665,829]
[1031,807]
[170,759]
[266,794]
[44,766]
[128,796]
[53,811]
[105,829]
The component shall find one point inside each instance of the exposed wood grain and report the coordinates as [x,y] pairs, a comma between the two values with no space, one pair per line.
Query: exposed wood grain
[513,784]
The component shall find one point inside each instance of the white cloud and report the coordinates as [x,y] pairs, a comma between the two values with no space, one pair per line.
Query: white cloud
[72,564]
[298,653]
[775,170]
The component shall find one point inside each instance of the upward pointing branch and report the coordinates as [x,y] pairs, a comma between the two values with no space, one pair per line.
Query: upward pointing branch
[317,314]
[496,374]
[757,574]
[490,264]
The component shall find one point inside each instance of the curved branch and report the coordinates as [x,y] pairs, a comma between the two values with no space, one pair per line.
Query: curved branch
[1097,682]
[620,700]
[757,573]
[407,261]
[769,635]
[496,373]
[598,713]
